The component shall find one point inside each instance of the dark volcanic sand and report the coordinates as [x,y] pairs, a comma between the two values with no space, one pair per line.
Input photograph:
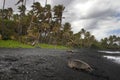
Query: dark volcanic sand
[46,64]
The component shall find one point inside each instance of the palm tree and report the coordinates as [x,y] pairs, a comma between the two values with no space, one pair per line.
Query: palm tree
[55,31]
[83,31]
[32,17]
[5,13]
[4,4]
[38,13]
[22,10]
[48,19]
[16,18]
[104,42]
[2,29]
[67,27]
[37,8]
[21,25]
[66,33]
[118,41]
[58,12]
[20,1]
[44,28]
[110,41]
[10,12]
[48,13]
[92,40]
[0,13]
[77,40]
[3,9]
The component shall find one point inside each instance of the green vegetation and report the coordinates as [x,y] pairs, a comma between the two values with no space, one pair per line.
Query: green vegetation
[16,44]
[52,46]
[13,44]
[43,24]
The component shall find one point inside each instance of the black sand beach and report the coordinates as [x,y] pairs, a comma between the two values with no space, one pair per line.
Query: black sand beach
[48,64]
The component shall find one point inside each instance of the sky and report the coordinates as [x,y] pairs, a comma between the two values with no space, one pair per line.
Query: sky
[100,17]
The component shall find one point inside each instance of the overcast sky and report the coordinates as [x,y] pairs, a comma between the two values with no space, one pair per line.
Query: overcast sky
[100,17]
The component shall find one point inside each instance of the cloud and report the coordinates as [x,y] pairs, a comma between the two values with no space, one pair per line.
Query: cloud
[62,2]
[8,3]
[100,17]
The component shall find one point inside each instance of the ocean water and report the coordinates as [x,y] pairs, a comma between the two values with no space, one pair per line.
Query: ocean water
[111,52]
[113,58]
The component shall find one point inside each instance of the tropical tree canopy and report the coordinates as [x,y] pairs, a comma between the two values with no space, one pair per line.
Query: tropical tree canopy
[43,24]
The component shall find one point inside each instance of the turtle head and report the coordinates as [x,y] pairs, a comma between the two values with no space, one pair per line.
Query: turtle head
[89,69]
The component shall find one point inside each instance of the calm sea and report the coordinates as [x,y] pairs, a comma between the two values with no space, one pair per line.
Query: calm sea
[112,56]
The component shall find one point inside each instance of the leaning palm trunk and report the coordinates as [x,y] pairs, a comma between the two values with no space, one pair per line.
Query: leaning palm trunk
[3,18]
[21,18]
[31,22]
[46,3]
[32,17]
[3,9]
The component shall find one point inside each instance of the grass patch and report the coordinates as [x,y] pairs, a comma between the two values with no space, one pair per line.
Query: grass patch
[16,44]
[13,44]
[49,46]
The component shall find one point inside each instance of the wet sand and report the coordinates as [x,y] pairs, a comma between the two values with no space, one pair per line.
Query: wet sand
[49,64]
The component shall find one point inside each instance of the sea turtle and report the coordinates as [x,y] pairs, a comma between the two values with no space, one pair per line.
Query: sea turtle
[79,64]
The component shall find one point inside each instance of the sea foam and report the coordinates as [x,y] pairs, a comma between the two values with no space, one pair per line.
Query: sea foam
[113,58]
[111,52]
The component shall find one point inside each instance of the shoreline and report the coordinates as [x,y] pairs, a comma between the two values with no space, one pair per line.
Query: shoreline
[51,64]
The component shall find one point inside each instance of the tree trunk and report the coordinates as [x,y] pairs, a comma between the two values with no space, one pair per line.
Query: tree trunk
[2,28]
[32,17]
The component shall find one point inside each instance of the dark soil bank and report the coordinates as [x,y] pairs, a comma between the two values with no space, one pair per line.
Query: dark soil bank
[46,64]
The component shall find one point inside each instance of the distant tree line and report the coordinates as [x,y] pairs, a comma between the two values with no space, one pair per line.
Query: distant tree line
[43,24]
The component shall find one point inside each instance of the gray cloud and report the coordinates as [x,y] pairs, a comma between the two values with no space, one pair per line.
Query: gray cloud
[97,16]
[63,2]
[9,3]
